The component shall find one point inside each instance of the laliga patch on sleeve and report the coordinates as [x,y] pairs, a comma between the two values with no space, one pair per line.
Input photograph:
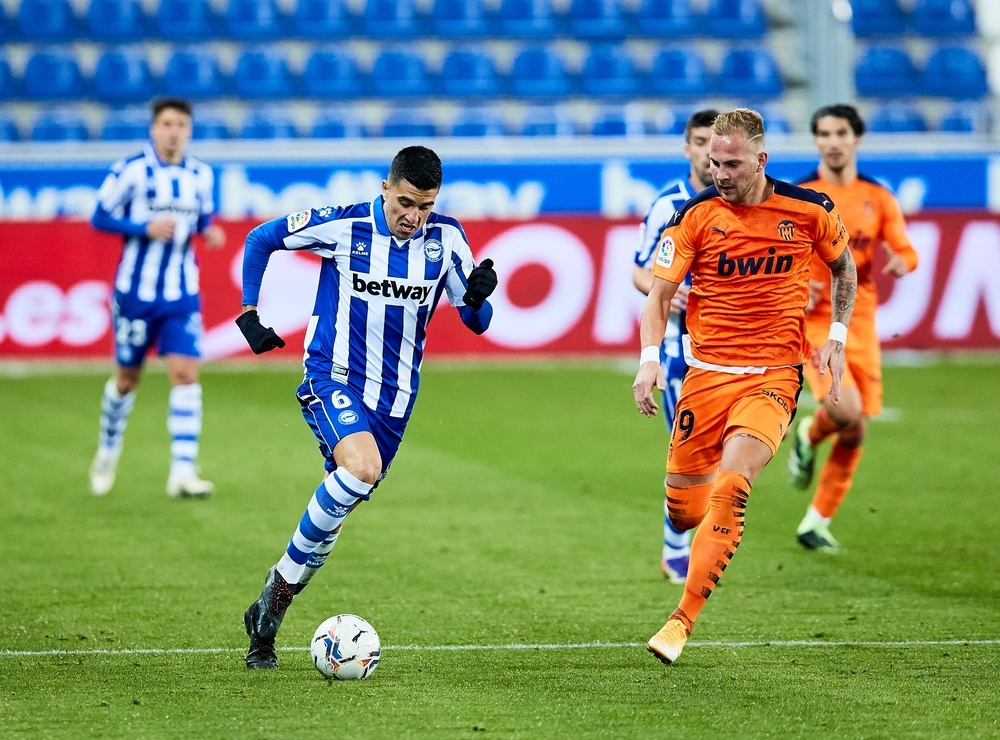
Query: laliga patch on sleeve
[665,252]
[298,220]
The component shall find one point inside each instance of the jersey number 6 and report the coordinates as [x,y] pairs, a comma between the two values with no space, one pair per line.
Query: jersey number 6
[340,401]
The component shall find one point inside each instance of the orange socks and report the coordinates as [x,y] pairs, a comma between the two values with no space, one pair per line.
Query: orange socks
[822,427]
[714,544]
[687,506]
[835,479]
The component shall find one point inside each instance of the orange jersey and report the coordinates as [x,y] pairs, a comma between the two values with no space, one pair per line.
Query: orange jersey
[750,272]
[872,216]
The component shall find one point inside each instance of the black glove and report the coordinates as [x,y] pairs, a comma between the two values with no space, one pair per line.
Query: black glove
[260,338]
[482,282]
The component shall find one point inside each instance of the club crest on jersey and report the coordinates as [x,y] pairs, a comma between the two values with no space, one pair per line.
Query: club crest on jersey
[786,229]
[347,417]
[433,250]
[298,220]
[665,252]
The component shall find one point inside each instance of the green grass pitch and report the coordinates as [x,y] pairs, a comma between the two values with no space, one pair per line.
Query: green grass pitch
[524,508]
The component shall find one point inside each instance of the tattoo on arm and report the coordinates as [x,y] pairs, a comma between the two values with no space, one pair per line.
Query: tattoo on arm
[844,286]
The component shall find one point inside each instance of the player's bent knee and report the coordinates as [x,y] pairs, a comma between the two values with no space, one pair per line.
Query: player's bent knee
[687,505]
[853,435]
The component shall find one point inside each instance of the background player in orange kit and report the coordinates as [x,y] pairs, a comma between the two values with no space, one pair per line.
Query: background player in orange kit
[873,219]
[748,242]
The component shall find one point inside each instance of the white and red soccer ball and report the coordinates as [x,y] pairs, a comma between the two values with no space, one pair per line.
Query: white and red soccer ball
[345,647]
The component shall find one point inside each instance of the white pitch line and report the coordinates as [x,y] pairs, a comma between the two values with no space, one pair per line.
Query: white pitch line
[537,646]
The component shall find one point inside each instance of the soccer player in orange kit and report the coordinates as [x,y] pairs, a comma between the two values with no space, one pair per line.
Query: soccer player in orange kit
[748,242]
[873,219]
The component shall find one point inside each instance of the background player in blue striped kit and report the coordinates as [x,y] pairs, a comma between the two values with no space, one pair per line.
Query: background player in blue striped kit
[157,199]
[697,135]
[385,266]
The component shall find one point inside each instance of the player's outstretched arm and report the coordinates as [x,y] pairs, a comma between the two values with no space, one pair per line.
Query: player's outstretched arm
[260,243]
[651,329]
[477,312]
[843,288]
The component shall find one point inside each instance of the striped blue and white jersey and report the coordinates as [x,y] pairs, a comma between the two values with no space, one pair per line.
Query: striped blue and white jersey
[142,188]
[673,195]
[375,298]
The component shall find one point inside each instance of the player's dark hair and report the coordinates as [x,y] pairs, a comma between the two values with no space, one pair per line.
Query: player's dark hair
[848,112]
[419,166]
[162,104]
[700,119]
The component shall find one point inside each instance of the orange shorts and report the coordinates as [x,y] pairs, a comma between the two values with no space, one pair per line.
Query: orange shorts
[714,406]
[864,364]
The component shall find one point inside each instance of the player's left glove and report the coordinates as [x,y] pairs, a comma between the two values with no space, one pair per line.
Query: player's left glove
[482,283]
[260,338]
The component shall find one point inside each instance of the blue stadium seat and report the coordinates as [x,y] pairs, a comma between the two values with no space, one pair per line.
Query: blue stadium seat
[459,19]
[253,19]
[527,18]
[609,124]
[475,122]
[262,73]
[619,122]
[116,19]
[469,73]
[955,72]
[679,73]
[268,123]
[609,70]
[667,19]
[539,72]
[192,73]
[391,19]
[8,129]
[596,19]
[52,75]
[333,123]
[185,19]
[735,19]
[126,125]
[877,18]
[886,70]
[50,20]
[209,125]
[331,73]
[400,73]
[897,118]
[121,76]
[547,122]
[59,125]
[944,17]
[321,19]
[750,73]
[963,118]
[7,89]
[408,124]
[775,123]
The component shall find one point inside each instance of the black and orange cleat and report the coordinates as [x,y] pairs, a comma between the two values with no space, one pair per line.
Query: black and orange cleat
[668,643]
[263,618]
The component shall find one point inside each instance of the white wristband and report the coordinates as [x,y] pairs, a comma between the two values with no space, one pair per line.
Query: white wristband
[649,354]
[838,332]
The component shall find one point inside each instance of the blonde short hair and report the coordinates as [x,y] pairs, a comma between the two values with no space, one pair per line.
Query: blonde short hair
[743,122]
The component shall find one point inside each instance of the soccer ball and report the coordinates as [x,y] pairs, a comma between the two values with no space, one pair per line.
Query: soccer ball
[345,647]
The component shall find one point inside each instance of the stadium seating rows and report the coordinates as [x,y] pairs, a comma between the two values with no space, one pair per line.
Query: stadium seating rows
[54,20]
[123,75]
[937,18]
[270,122]
[274,122]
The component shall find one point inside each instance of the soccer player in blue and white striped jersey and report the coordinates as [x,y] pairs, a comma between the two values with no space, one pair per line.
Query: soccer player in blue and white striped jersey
[697,135]
[385,267]
[157,199]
